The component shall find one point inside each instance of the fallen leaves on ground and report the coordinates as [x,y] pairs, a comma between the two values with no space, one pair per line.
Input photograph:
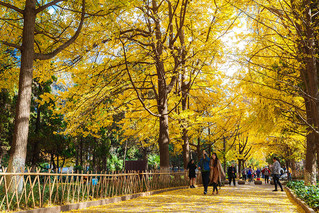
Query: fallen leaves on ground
[242,198]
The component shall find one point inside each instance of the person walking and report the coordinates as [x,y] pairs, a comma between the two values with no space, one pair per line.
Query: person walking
[258,173]
[276,173]
[216,172]
[244,174]
[249,174]
[231,172]
[203,165]
[192,173]
[266,173]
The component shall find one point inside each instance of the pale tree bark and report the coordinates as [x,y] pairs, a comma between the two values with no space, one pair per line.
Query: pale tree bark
[20,138]
[18,150]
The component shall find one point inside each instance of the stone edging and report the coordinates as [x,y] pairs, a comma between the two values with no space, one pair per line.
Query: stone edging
[301,203]
[75,206]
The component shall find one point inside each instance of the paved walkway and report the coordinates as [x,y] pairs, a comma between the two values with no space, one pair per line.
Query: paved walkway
[242,198]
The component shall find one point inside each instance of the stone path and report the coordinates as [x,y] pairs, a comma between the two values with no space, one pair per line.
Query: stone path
[242,198]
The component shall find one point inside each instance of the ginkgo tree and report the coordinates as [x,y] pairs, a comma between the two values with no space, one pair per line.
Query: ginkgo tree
[38,31]
[282,57]
[157,53]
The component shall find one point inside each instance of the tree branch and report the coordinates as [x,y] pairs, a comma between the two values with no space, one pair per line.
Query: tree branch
[10,6]
[133,84]
[66,44]
[11,45]
[43,7]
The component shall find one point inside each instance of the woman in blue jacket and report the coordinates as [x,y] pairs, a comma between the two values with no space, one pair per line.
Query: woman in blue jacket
[203,165]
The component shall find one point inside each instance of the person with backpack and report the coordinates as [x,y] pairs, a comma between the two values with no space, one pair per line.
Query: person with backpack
[203,165]
[258,173]
[276,173]
[266,173]
[249,174]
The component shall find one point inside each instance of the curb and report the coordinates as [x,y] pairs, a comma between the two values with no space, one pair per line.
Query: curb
[301,203]
[83,205]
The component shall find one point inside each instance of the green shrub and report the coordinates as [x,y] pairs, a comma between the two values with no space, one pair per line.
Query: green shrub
[309,194]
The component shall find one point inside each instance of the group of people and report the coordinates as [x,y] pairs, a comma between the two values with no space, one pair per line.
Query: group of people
[212,172]
[250,174]
[211,169]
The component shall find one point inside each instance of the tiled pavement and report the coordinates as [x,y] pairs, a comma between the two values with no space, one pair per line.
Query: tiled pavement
[241,198]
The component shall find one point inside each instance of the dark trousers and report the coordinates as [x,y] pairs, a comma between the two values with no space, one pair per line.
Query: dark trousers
[266,178]
[215,187]
[205,178]
[230,178]
[244,177]
[276,181]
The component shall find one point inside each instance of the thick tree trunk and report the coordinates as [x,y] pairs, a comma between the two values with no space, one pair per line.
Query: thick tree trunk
[18,150]
[309,75]
[163,142]
[310,168]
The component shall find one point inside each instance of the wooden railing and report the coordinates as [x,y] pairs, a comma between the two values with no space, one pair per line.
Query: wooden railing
[48,189]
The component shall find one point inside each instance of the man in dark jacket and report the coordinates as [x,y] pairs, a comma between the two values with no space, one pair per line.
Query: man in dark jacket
[231,174]
[203,165]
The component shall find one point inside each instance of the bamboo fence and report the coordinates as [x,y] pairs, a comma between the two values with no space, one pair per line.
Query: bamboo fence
[50,189]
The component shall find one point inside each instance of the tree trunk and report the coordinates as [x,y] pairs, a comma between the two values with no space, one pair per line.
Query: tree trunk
[145,158]
[239,167]
[81,153]
[185,91]
[185,148]
[53,162]
[309,74]
[18,150]
[124,157]
[77,157]
[198,149]
[36,147]
[57,162]
[224,152]
[163,142]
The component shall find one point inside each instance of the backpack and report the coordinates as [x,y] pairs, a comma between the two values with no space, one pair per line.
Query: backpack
[266,172]
[249,172]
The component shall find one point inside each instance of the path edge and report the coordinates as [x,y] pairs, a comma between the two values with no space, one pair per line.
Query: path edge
[83,205]
[300,202]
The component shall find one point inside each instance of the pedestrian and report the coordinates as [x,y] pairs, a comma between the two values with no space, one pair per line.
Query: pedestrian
[216,172]
[266,173]
[191,173]
[249,174]
[258,173]
[276,173]
[289,173]
[203,165]
[231,172]
[244,174]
